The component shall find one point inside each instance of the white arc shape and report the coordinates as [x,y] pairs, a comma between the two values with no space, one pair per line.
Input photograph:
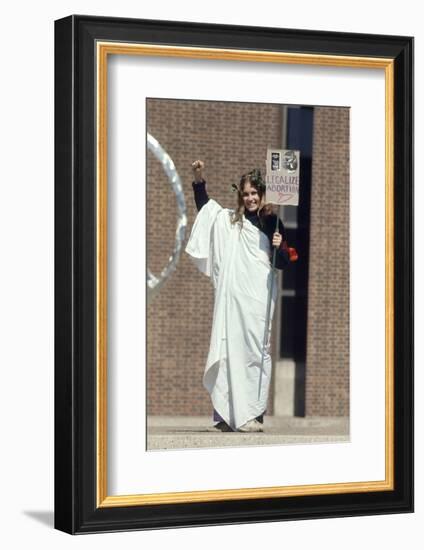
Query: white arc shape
[155,283]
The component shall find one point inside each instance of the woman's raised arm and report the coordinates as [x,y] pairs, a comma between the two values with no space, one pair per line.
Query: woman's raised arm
[199,184]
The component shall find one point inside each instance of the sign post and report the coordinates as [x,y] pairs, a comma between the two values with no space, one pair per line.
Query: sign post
[282,188]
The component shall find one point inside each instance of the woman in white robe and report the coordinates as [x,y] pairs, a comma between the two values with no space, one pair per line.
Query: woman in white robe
[228,246]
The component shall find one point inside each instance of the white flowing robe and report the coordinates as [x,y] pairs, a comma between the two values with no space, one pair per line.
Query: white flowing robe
[238,262]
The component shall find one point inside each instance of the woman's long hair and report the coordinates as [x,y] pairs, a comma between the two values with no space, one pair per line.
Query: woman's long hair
[256,181]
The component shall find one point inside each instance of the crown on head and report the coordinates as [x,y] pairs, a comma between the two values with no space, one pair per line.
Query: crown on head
[255,177]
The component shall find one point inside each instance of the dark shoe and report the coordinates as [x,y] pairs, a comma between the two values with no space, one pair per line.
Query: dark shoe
[222,427]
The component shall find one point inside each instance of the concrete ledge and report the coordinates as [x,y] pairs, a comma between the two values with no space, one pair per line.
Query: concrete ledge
[184,432]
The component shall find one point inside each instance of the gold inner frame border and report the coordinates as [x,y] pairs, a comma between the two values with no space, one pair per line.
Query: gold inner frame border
[103,50]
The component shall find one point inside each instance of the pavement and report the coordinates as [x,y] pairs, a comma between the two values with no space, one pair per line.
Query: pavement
[192,432]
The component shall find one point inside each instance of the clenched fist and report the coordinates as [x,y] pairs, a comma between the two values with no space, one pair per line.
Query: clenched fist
[197,167]
[276,239]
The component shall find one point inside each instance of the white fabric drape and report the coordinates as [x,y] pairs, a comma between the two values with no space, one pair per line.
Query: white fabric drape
[238,262]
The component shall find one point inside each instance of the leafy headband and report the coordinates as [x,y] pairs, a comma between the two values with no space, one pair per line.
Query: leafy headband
[255,178]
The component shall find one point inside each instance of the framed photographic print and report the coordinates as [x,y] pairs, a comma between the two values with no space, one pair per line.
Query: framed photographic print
[234,274]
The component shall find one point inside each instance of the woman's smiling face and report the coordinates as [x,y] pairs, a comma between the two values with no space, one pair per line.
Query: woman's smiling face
[251,199]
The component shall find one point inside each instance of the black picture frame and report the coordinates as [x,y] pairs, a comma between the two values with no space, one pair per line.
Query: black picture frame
[77,508]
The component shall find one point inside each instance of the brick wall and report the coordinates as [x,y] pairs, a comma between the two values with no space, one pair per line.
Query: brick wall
[231,138]
[327,363]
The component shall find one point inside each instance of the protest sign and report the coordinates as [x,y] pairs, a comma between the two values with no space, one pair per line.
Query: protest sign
[282,177]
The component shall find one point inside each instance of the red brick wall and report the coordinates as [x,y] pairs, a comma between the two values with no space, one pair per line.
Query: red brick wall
[232,138]
[327,363]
